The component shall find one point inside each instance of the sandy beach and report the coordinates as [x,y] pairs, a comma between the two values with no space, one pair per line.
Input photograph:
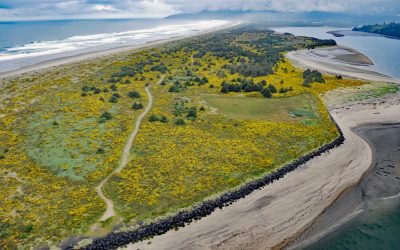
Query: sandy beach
[377,191]
[66,59]
[275,216]
[278,214]
[271,218]
[338,60]
[83,57]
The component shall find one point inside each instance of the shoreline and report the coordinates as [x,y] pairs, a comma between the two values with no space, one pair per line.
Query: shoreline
[339,33]
[245,223]
[353,167]
[355,160]
[86,56]
[378,184]
[351,203]
[105,53]
[209,206]
[328,62]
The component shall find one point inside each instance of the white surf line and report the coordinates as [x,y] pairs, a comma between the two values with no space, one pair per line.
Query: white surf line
[110,212]
[391,197]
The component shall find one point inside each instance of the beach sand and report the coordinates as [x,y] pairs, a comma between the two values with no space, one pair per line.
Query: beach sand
[63,60]
[338,60]
[83,57]
[380,187]
[276,215]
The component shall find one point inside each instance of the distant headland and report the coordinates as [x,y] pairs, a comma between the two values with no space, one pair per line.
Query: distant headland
[391,29]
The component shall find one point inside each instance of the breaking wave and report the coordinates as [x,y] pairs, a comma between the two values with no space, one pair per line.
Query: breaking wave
[107,40]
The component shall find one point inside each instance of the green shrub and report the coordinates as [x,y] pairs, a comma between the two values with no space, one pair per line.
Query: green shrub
[163,119]
[106,116]
[180,122]
[158,118]
[113,99]
[192,113]
[134,94]
[137,106]
[114,87]
[101,151]
[266,93]
[153,118]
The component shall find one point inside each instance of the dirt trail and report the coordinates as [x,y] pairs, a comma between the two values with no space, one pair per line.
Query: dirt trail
[110,212]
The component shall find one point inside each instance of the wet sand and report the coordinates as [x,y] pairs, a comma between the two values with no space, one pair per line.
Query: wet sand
[380,186]
[340,61]
[342,55]
[278,214]
[66,59]
[83,57]
[273,217]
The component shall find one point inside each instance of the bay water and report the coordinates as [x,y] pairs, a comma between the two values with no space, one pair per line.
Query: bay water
[384,52]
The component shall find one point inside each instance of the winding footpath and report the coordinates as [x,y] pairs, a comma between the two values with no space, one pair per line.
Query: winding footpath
[110,212]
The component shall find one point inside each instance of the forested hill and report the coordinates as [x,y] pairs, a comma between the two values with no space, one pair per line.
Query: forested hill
[391,29]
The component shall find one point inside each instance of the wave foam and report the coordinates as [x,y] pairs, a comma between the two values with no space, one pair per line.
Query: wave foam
[133,37]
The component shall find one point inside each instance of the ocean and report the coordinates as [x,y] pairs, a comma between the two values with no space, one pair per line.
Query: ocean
[375,229]
[378,226]
[26,43]
[383,51]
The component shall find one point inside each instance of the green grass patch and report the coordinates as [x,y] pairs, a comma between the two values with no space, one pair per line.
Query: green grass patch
[50,146]
[376,92]
[297,108]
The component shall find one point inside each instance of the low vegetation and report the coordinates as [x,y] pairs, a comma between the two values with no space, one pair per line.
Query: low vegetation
[303,106]
[386,29]
[63,130]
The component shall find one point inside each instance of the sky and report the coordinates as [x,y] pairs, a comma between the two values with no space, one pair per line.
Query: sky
[71,9]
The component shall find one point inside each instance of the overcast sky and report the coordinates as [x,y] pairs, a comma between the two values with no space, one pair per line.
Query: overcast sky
[63,9]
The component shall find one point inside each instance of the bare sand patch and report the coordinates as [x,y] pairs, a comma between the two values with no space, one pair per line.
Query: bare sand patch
[340,61]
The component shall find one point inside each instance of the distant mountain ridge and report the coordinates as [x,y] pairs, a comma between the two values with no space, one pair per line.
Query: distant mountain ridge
[390,29]
[274,18]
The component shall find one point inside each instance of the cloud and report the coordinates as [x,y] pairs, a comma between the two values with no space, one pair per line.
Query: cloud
[59,9]
[370,6]
[105,8]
